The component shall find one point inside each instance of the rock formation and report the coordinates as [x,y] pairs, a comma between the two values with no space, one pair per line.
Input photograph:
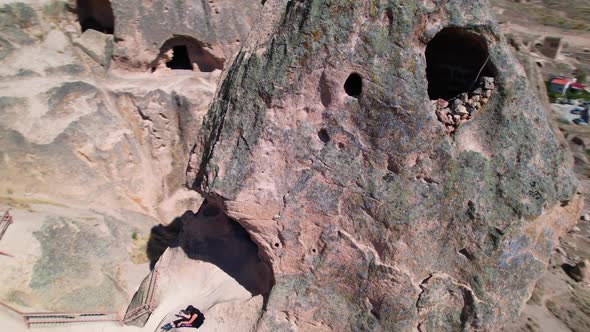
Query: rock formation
[219,26]
[94,143]
[323,143]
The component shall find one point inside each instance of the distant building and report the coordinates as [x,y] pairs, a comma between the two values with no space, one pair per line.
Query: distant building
[562,84]
[552,47]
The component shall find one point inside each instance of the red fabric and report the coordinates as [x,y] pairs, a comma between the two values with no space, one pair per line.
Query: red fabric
[577,86]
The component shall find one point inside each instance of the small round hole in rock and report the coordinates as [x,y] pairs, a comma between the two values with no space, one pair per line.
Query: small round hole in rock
[277,244]
[341,146]
[353,85]
[323,135]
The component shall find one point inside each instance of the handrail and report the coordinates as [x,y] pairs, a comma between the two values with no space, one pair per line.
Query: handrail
[34,318]
[5,222]
[44,313]
[11,308]
[146,306]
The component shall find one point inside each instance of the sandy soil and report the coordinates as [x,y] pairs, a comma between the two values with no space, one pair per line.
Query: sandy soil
[512,16]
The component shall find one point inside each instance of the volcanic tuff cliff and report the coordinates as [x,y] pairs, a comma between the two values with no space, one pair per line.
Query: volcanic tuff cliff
[323,142]
[95,134]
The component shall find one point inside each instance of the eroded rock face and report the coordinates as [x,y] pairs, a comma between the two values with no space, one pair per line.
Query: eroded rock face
[372,217]
[142,29]
[81,143]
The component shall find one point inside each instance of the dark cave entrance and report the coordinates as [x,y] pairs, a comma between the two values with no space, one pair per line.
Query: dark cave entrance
[353,86]
[211,236]
[454,58]
[96,15]
[180,59]
[188,54]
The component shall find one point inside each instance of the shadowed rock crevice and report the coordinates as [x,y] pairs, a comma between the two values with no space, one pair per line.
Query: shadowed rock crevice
[162,237]
[211,236]
[180,59]
[96,15]
[325,93]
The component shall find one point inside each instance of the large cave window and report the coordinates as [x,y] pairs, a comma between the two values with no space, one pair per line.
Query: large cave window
[211,236]
[188,53]
[96,15]
[454,58]
[180,59]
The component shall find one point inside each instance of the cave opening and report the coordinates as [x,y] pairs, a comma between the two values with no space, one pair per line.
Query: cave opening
[323,135]
[455,59]
[187,53]
[210,235]
[353,86]
[180,59]
[96,15]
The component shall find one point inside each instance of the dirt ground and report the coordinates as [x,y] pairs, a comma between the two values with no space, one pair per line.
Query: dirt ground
[533,20]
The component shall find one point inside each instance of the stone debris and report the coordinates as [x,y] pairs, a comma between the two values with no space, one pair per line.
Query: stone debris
[457,110]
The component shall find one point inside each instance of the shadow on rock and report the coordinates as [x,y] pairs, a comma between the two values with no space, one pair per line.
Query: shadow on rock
[211,236]
[578,272]
[162,237]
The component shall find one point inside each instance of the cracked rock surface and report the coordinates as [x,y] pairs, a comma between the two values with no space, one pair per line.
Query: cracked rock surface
[370,215]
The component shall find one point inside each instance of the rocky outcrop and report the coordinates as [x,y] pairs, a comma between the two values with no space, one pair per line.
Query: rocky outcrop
[83,134]
[323,144]
[119,138]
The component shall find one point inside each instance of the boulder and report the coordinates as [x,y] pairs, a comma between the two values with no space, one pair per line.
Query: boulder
[96,45]
[454,239]
[461,109]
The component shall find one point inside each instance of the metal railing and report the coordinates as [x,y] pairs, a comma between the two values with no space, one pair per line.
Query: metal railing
[5,222]
[146,306]
[51,318]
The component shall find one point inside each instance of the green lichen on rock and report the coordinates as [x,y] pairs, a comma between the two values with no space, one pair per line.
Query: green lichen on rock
[385,221]
[77,266]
